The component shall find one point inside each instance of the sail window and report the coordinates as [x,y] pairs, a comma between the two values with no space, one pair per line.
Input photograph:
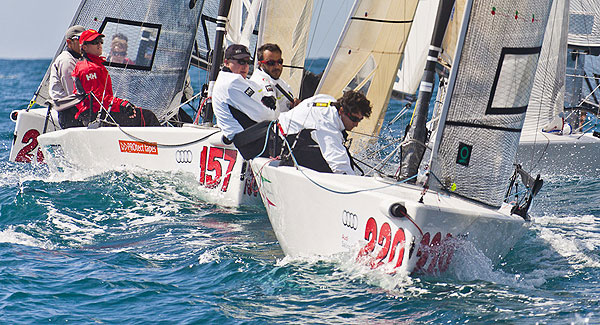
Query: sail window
[514,78]
[362,80]
[129,44]
[581,24]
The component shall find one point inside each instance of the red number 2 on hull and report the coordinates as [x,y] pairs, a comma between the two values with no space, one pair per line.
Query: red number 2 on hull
[24,154]
[209,162]
[385,240]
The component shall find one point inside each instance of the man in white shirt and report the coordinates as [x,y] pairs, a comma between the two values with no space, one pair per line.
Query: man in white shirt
[61,81]
[316,130]
[234,102]
[270,66]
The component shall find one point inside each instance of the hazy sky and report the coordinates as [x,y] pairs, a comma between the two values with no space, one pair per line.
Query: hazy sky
[35,28]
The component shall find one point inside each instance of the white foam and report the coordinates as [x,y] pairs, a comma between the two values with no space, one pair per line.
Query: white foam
[10,235]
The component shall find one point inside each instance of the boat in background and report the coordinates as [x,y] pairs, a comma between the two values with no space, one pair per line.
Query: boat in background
[468,193]
[556,140]
[164,40]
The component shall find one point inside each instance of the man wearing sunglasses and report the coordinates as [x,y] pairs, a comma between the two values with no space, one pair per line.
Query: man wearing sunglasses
[316,130]
[236,100]
[91,78]
[61,81]
[270,66]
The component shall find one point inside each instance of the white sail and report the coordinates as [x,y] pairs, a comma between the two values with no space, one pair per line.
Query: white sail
[287,23]
[367,55]
[243,15]
[417,45]
[584,23]
[548,92]
[485,106]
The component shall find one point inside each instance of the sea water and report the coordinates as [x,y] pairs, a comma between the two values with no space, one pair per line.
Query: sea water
[133,246]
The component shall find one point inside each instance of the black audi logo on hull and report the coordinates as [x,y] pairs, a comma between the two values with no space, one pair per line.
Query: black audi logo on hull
[350,219]
[184,156]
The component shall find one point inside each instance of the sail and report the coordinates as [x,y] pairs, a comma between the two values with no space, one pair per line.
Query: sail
[453,32]
[367,55]
[242,20]
[417,46]
[584,24]
[287,23]
[548,92]
[159,35]
[488,92]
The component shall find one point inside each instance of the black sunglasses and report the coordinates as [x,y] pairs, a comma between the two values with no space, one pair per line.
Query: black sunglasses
[354,118]
[243,62]
[272,62]
[95,42]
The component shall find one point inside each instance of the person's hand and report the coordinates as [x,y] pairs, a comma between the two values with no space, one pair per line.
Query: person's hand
[269,101]
[128,109]
[295,103]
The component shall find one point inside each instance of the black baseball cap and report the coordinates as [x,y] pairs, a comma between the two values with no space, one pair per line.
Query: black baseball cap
[237,51]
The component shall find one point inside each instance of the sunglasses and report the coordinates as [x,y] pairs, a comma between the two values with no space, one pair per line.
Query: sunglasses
[119,53]
[354,118]
[243,62]
[272,62]
[74,38]
[96,41]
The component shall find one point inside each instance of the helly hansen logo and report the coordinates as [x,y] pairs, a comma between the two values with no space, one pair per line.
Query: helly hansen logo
[90,76]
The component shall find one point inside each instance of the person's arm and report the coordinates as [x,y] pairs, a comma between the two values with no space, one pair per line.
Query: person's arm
[240,94]
[93,80]
[331,144]
[61,81]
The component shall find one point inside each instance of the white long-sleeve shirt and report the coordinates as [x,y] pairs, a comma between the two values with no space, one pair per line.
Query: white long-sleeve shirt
[233,89]
[269,84]
[317,113]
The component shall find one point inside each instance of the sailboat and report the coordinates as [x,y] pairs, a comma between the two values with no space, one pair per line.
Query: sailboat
[466,194]
[556,141]
[163,41]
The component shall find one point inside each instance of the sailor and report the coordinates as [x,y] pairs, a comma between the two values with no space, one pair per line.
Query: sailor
[92,79]
[270,66]
[235,101]
[316,130]
[61,81]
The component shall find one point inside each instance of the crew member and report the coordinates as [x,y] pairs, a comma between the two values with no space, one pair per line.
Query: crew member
[270,66]
[61,81]
[316,130]
[92,79]
[234,102]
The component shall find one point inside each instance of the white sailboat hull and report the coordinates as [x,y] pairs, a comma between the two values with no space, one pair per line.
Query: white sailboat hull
[219,169]
[553,154]
[309,220]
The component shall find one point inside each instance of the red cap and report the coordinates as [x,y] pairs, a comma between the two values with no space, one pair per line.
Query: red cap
[88,36]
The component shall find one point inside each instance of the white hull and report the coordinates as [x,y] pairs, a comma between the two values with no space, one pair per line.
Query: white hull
[219,168]
[29,125]
[571,155]
[309,220]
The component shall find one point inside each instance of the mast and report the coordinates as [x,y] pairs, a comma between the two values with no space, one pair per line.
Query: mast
[414,148]
[217,58]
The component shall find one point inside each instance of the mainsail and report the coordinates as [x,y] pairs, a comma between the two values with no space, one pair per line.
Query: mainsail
[548,92]
[287,23]
[584,25]
[160,36]
[367,55]
[487,98]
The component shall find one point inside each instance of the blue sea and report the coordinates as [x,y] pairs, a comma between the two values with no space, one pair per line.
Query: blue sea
[139,247]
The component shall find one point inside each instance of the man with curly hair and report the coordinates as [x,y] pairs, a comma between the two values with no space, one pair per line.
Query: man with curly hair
[316,130]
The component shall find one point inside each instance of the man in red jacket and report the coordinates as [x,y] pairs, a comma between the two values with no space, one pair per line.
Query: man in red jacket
[92,79]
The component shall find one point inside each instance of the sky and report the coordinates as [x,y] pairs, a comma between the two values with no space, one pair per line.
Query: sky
[33,29]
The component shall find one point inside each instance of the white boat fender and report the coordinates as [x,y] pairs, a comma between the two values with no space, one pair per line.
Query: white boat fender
[13,115]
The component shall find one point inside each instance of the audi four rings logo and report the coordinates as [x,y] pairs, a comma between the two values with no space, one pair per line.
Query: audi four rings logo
[183,156]
[350,220]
